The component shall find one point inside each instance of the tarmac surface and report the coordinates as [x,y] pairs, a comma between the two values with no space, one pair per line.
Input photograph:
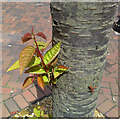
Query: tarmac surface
[18,19]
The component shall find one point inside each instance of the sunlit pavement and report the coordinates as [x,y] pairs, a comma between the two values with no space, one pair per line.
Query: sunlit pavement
[17,19]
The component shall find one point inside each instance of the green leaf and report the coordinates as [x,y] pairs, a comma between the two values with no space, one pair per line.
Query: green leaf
[58,71]
[28,81]
[50,116]
[46,83]
[38,111]
[24,112]
[42,112]
[45,78]
[54,81]
[41,45]
[14,66]
[34,61]
[25,57]
[52,53]
[36,70]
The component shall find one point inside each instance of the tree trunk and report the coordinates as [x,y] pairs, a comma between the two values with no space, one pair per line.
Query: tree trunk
[83,29]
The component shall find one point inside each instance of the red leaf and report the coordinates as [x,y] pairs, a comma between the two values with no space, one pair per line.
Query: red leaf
[62,67]
[26,37]
[40,82]
[41,34]
[92,89]
[14,112]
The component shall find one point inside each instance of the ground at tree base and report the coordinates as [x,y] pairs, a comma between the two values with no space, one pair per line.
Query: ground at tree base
[47,103]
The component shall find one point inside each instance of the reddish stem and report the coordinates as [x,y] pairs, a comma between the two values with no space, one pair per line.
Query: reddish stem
[40,55]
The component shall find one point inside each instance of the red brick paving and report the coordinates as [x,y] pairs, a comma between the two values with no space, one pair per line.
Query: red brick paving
[105,84]
[5,97]
[6,90]
[28,96]
[5,79]
[20,101]
[106,91]
[109,79]
[11,105]
[18,18]
[113,112]
[114,88]
[101,99]
[105,106]
[34,92]
[5,112]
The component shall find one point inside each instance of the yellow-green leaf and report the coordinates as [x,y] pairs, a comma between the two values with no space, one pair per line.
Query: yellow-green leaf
[24,112]
[34,61]
[38,111]
[25,57]
[54,62]
[40,82]
[14,66]
[28,81]
[36,70]
[42,112]
[45,78]
[58,71]
[52,53]
[41,45]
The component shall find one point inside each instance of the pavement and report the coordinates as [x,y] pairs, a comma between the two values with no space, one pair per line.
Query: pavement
[17,19]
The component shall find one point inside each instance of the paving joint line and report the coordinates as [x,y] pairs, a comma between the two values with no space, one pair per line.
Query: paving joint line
[32,93]
[18,78]
[8,80]
[6,99]
[111,91]
[16,103]
[7,108]
[24,98]
[102,102]
[110,109]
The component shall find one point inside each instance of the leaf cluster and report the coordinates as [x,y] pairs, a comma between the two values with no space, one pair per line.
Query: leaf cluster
[44,69]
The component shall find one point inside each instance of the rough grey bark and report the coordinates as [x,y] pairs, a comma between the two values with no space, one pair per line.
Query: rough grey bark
[83,29]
